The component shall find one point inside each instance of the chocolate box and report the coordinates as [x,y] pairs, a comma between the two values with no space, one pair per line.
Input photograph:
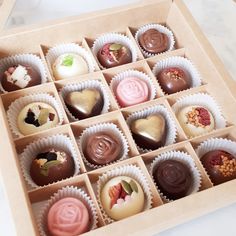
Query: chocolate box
[25,203]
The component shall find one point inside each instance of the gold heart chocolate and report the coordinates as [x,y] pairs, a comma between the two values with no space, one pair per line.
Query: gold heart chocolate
[149,132]
[84,104]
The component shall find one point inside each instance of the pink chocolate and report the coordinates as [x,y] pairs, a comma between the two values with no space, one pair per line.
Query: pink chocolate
[131,91]
[68,217]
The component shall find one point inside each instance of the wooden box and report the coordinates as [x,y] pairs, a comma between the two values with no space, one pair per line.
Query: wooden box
[190,43]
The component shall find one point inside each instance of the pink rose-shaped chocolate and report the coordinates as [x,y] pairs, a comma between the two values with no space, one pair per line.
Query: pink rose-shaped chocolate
[68,217]
[131,91]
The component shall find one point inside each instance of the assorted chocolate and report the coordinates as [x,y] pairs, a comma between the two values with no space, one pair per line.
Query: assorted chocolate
[84,104]
[101,148]
[51,166]
[220,166]
[174,79]
[114,54]
[153,41]
[122,197]
[173,178]
[149,132]
[20,76]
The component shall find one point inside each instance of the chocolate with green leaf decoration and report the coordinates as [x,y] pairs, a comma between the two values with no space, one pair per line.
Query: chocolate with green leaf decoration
[69,65]
[50,166]
[114,54]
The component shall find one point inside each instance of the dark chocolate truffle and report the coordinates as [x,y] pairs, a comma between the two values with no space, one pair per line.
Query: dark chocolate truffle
[173,80]
[102,148]
[150,132]
[114,54]
[84,104]
[220,166]
[154,41]
[19,77]
[50,166]
[173,178]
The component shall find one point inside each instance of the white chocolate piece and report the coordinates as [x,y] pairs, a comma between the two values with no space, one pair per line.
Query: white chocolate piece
[64,68]
[132,204]
[26,128]
[190,129]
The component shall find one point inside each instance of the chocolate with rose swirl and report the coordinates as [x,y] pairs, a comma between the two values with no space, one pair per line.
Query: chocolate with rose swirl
[153,41]
[68,217]
[173,178]
[102,148]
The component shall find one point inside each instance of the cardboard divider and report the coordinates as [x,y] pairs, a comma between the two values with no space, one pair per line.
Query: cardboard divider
[161,101]
[137,161]
[185,147]
[113,117]
[39,197]
[92,76]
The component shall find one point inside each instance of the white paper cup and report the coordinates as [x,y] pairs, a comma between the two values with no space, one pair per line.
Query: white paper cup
[131,171]
[95,84]
[183,158]
[58,142]
[133,73]
[16,106]
[204,100]
[114,38]
[28,59]
[103,127]
[161,29]
[182,63]
[54,52]
[73,192]
[158,109]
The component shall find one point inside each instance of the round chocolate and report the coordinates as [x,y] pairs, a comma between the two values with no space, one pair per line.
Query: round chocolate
[102,148]
[114,54]
[149,132]
[19,77]
[154,41]
[173,178]
[173,80]
[36,117]
[84,104]
[220,166]
[50,166]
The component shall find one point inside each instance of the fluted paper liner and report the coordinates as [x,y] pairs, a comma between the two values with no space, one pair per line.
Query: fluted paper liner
[16,106]
[103,127]
[183,158]
[158,109]
[54,52]
[95,84]
[204,100]
[133,73]
[182,63]
[68,191]
[114,38]
[28,59]
[59,141]
[131,171]
[161,29]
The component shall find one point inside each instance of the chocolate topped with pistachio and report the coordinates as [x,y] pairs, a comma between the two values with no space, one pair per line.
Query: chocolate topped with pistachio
[50,166]
[114,54]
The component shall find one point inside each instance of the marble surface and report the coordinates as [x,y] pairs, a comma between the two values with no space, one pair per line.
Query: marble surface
[215,17]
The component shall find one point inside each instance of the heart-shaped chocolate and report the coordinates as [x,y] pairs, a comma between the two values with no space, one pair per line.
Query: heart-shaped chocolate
[149,132]
[84,104]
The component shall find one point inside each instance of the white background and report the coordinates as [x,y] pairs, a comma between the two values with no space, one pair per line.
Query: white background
[217,19]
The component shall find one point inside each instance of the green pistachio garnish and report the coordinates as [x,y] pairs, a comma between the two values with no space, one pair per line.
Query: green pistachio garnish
[43,116]
[126,187]
[133,186]
[44,170]
[68,60]
[115,47]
